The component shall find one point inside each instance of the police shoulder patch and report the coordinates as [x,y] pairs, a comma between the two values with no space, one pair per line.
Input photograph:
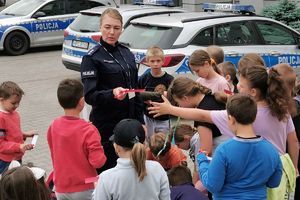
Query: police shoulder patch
[88,73]
[93,50]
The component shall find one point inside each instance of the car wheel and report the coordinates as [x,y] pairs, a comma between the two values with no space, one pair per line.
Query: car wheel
[16,43]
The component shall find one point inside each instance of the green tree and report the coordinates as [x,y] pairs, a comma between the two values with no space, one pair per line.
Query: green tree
[286,11]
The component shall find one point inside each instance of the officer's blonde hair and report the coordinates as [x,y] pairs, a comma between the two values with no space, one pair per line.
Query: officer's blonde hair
[112,13]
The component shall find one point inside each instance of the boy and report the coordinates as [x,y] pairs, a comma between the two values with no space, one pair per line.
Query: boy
[228,71]
[75,145]
[182,188]
[155,80]
[244,166]
[12,138]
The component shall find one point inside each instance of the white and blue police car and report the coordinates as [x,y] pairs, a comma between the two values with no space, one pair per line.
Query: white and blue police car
[237,32]
[81,36]
[33,23]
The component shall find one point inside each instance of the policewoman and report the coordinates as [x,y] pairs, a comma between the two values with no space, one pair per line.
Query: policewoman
[107,71]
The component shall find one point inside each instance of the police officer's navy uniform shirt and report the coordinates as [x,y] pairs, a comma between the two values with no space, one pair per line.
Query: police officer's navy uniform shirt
[101,73]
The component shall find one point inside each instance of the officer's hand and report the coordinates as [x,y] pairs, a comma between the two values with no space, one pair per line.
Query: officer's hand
[119,93]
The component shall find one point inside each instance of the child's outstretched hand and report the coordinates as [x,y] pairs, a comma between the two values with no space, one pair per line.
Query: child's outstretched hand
[159,109]
[25,147]
[30,133]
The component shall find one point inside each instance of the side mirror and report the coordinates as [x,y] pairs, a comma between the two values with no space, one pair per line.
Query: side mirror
[39,14]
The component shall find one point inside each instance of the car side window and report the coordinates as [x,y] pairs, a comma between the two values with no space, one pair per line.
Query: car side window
[275,34]
[237,33]
[77,5]
[53,8]
[204,38]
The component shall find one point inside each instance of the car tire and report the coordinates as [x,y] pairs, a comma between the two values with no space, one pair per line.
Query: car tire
[16,43]
[2,2]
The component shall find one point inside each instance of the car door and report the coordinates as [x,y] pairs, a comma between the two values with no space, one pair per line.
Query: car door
[239,38]
[49,27]
[280,43]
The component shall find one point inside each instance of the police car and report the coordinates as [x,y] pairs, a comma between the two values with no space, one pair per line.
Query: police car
[32,23]
[237,32]
[81,36]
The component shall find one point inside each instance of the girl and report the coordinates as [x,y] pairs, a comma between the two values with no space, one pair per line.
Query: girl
[273,121]
[162,151]
[201,63]
[133,177]
[19,183]
[190,94]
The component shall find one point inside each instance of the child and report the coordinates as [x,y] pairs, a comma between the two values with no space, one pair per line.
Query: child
[39,175]
[182,188]
[75,145]
[155,80]
[242,167]
[249,60]
[216,53]
[288,76]
[19,183]
[134,177]
[273,121]
[12,138]
[188,93]
[202,64]
[187,138]
[163,152]
[227,70]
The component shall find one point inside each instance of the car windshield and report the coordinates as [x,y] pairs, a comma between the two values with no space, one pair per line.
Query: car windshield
[138,36]
[23,7]
[80,23]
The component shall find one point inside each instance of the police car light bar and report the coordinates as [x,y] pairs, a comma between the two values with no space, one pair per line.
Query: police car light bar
[228,7]
[154,2]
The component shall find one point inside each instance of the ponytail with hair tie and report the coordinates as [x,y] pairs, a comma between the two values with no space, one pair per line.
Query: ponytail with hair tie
[213,62]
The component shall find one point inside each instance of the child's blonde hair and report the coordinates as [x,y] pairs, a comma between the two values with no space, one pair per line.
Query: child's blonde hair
[157,143]
[154,51]
[9,88]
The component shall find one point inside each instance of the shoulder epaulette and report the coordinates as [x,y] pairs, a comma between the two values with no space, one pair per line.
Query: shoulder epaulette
[93,50]
[122,46]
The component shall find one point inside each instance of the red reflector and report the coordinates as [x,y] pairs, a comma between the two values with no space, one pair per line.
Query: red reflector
[96,38]
[172,60]
[66,33]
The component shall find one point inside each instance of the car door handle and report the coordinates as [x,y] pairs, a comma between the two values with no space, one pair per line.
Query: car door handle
[233,53]
[275,53]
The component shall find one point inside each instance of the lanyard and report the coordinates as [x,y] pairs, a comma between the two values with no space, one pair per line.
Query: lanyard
[127,72]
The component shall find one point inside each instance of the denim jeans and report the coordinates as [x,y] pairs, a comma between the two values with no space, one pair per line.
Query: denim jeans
[3,166]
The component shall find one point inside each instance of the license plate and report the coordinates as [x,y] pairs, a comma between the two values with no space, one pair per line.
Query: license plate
[80,44]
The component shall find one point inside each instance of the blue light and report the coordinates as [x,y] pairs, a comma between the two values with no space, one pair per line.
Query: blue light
[228,7]
[154,2]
